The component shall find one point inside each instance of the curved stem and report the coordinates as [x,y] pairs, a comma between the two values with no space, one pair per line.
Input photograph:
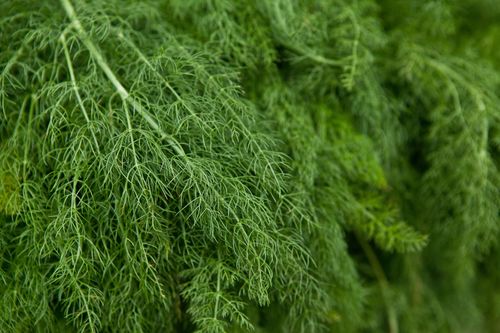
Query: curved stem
[382,281]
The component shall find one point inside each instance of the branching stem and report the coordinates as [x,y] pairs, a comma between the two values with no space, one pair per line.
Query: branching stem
[124,94]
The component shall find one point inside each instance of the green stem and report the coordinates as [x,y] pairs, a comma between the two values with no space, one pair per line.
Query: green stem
[29,135]
[75,86]
[382,281]
[216,308]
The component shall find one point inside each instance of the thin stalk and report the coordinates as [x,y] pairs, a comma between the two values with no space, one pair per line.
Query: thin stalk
[216,308]
[382,281]
[309,54]
[28,136]
[75,86]
[132,140]
[20,116]
[355,45]
[6,69]
[12,61]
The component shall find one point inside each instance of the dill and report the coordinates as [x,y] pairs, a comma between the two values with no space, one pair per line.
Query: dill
[249,166]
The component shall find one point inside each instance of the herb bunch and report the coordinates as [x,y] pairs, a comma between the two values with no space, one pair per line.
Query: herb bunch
[249,166]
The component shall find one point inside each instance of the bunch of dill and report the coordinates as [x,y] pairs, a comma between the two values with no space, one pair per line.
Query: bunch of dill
[249,166]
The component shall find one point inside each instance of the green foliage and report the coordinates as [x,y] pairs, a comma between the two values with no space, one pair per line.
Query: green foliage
[249,166]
